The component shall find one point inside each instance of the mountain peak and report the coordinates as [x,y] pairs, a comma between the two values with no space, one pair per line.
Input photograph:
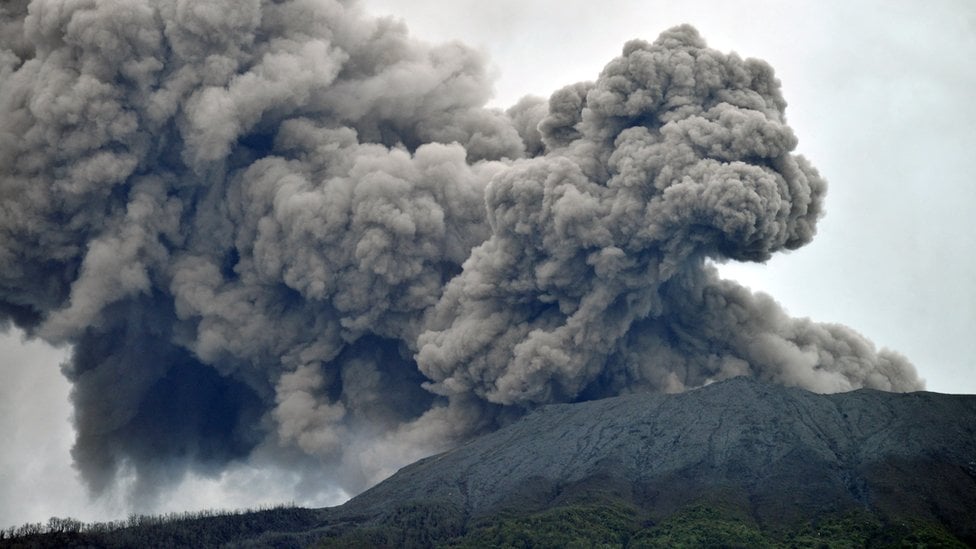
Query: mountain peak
[775,451]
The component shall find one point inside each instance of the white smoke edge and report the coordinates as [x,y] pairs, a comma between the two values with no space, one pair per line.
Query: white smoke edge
[767,278]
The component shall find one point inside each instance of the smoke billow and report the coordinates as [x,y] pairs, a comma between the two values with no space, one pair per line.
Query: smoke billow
[287,229]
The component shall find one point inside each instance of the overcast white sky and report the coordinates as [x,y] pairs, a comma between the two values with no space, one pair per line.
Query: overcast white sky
[880,95]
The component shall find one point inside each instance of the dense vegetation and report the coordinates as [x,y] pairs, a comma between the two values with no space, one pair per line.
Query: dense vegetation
[618,525]
[603,524]
[196,529]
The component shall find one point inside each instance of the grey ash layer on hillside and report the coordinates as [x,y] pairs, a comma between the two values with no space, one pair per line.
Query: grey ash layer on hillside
[777,453]
[286,232]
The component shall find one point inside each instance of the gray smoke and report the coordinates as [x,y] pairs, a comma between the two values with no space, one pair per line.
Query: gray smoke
[287,229]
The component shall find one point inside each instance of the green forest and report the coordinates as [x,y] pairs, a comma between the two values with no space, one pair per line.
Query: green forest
[582,525]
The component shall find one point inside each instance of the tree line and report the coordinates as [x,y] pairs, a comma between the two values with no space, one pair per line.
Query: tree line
[72,526]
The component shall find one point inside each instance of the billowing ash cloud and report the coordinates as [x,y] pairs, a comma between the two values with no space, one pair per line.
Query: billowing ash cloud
[286,229]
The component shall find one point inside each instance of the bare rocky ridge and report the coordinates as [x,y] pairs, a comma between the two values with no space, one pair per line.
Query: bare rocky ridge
[778,453]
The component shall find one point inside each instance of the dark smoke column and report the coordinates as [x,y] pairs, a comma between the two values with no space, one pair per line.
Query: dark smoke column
[287,233]
[594,280]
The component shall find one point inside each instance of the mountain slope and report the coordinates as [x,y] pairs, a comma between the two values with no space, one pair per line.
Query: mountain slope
[776,454]
[736,463]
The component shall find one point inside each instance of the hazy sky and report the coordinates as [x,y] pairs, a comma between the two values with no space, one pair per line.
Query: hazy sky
[880,96]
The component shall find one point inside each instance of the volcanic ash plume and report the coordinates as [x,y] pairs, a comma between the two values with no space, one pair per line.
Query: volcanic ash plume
[287,229]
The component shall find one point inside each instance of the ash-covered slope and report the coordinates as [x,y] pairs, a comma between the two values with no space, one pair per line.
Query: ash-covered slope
[739,463]
[780,454]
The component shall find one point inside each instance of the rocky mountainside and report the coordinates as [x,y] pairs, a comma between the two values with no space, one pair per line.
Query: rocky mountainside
[738,462]
[778,454]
